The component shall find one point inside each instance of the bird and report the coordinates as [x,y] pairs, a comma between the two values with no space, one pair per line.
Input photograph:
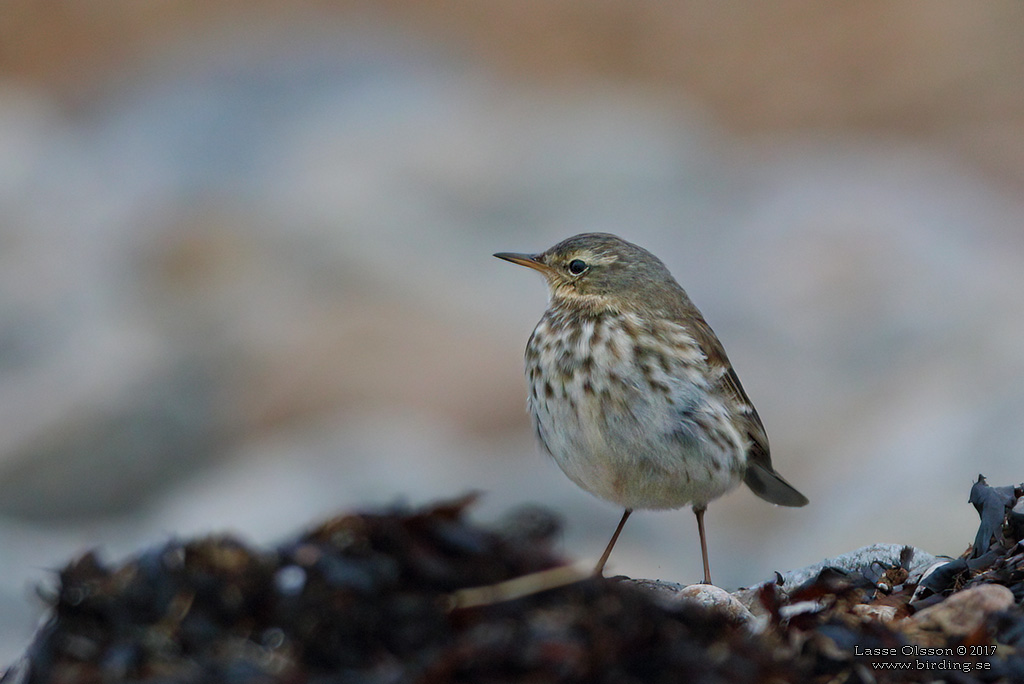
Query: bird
[631,392]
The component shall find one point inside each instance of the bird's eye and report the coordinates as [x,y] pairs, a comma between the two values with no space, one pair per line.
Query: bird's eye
[577,266]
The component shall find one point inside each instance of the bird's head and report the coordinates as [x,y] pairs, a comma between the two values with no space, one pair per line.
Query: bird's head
[600,271]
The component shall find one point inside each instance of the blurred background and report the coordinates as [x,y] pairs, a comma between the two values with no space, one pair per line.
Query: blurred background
[246,277]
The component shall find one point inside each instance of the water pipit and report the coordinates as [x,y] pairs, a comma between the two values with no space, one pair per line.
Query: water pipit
[631,392]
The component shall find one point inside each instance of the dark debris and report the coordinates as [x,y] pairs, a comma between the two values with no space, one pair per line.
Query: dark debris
[992,504]
[368,598]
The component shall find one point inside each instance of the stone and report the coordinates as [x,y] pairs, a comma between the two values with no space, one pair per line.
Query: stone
[875,612]
[961,614]
[705,595]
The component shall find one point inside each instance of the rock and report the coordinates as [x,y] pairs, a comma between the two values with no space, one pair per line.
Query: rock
[705,595]
[877,612]
[716,599]
[865,560]
[661,589]
[959,615]
[861,560]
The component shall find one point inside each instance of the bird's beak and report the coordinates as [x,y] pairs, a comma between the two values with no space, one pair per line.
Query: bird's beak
[529,260]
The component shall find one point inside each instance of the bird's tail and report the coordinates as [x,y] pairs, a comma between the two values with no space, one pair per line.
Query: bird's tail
[770,486]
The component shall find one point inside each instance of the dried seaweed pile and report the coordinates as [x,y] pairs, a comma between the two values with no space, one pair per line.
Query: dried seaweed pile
[959,620]
[427,596]
[369,598]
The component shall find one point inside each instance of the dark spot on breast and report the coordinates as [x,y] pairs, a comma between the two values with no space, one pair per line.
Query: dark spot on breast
[643,357]
[587,364]
[613,350]
[588,389]
[663,362]
[640,360]
[549,391]
[573,338]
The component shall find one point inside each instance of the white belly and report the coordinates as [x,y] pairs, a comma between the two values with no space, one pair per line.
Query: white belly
[637,433]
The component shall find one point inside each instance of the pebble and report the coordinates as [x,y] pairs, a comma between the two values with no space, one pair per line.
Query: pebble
[960,614]
[716,599]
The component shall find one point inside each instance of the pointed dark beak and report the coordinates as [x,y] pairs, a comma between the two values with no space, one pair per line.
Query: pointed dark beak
[528,260]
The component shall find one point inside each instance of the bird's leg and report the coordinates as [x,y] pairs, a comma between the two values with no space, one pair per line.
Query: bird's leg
[608,549]
[699,512]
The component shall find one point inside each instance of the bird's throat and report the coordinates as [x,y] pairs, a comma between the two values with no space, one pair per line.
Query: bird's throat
[569,300]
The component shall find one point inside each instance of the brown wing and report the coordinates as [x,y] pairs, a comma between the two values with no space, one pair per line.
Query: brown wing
[732,389]
[760,476]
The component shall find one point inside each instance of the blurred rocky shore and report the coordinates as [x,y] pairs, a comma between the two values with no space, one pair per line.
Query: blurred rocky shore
[427,595]
[245,271]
